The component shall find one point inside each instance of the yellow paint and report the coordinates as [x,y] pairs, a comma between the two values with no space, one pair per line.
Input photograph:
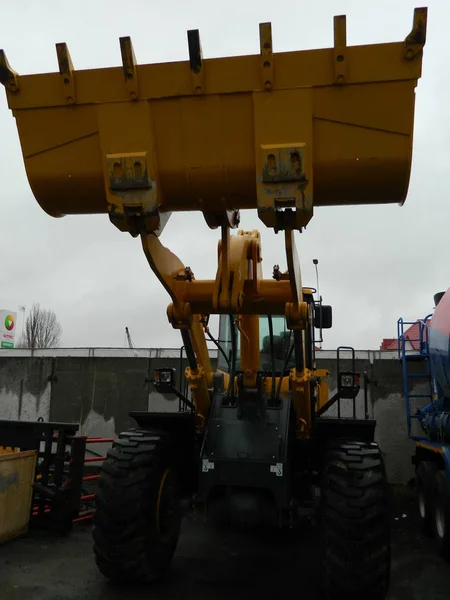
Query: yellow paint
[250,357]
[204,151]
[8,450]
[431,448]
[17,474]
[301,399]
[158,505]
[322,388]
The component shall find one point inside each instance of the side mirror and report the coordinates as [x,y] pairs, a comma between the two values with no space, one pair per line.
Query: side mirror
[323,316]
[164,380]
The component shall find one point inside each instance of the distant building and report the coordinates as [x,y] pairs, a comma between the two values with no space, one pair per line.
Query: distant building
[412,340]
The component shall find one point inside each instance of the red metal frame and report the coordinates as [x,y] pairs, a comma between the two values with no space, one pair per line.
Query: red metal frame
[87,514]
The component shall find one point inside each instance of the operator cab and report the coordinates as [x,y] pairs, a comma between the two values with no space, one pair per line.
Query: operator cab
[282,341]
[276,341]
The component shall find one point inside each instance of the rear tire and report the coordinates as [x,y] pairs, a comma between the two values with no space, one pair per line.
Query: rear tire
[355,523]
[425,474]
[441,513]
[138,518]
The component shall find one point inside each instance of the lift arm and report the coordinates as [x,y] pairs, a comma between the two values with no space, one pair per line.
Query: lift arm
[239,289]
[169,269]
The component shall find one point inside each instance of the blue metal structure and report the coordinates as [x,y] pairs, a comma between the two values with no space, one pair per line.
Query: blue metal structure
[428,348]
[409,357]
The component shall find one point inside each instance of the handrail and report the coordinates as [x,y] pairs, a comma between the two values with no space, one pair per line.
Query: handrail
[401,346]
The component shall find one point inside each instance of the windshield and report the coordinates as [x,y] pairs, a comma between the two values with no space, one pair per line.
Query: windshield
[282,340]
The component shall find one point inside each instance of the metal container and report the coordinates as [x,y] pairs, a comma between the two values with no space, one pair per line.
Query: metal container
[439,344]
[17,473]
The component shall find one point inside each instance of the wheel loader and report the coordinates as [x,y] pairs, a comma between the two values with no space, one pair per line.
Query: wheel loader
[280,133]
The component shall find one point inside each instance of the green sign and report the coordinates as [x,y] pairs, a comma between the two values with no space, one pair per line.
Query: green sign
[7,345]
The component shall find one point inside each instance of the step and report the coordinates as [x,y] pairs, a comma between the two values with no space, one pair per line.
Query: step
[419,396]
[418,375]
[415,357]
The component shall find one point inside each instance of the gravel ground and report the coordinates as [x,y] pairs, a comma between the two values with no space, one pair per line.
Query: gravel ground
[215,564]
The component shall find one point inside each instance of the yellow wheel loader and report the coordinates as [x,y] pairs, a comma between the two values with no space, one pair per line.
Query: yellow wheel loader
[280,133]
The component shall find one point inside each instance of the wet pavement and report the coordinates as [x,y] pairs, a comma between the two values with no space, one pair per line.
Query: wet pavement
[215,563]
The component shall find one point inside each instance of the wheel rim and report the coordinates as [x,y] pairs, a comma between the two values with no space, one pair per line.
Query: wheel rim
[167,508]
[440,517]
[422,503]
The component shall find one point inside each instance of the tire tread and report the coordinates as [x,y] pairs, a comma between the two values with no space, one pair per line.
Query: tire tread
[126,545]
[355,522]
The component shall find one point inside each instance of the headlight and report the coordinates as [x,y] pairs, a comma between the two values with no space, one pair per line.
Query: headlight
[347,381]
[164,376]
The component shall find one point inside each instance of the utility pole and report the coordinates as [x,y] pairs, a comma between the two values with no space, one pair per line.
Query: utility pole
[22,310]
[319,299]
[130,343]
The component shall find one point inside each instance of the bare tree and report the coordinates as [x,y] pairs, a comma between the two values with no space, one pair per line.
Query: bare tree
[42,329]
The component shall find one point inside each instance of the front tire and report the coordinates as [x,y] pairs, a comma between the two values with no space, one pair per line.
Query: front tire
[355,523]
[138,517]
[426,472]
[441,513]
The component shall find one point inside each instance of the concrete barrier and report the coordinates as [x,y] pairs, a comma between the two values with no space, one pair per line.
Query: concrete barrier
[99,387]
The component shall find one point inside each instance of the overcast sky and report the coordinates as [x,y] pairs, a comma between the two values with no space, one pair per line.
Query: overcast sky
[376,263]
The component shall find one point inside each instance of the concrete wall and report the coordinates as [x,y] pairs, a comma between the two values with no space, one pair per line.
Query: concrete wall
[98,390]
[25,388]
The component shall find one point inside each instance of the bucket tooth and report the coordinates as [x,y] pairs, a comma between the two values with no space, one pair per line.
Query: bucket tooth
[415,40]
[266,53]
[66,71]
[340,48]
[195,59]
[129,67]
[8,77]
